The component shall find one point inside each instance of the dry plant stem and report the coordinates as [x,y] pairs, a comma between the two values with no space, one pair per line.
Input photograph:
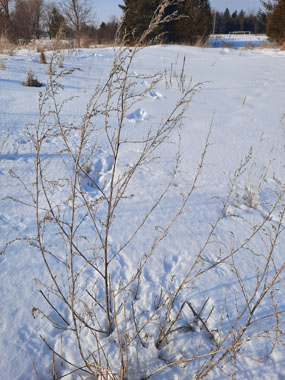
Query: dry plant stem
[39,177]
[112,201]
[54,375]
[120,337]
[86,308]
[54,308]
[71,253]
[38,142]
[77,368]
[224,350]
[97,362]
[111,207]
[231,254]
[233,251]
[172,295]
[237,341]
[36,371]
[196,315]
[181,208]
[251,305]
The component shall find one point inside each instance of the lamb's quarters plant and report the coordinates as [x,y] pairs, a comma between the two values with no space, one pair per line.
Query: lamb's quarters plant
[111,319]
[100,310]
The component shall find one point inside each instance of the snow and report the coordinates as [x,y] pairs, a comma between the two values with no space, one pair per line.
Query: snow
[242,94]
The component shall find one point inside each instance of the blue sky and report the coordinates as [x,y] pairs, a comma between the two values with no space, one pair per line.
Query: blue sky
[105,9]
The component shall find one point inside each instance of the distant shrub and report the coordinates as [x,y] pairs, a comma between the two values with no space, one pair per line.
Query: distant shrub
[31,81]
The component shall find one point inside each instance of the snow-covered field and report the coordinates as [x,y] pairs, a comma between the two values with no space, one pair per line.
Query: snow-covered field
[242,96]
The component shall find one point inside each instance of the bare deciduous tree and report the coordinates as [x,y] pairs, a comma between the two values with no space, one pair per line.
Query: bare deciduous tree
[77,13]
[5,17]
[26,18]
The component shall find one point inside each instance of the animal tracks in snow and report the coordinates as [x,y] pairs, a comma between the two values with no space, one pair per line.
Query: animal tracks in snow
[155,95]
[97,172]
[137,116]
[140,114]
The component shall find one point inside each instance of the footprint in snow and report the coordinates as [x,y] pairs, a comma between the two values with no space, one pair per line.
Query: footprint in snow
[98,173]
[155,95]
[137,116]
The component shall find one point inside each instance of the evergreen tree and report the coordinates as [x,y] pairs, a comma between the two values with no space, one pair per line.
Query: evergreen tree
[261,20]
[229,22]
[235,21]
[193,20]
[241,19]
[137,15]
[268,5]
[275,28]
[107,31]
[250,23]
[196,22]
[57,20]
[225,21]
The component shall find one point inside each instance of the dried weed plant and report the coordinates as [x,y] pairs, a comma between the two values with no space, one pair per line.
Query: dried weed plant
[42,58]
[2,64]
[31,81]
[97,310]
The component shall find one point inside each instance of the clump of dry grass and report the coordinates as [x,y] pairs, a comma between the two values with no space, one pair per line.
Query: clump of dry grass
[85,41]
[6,47]
[267,45]
[202,43]
[2,65]
[31,81]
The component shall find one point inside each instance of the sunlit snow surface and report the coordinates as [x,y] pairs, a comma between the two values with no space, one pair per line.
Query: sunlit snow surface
[243,95]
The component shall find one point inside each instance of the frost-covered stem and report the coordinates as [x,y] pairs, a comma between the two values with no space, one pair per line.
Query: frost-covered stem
[122,104]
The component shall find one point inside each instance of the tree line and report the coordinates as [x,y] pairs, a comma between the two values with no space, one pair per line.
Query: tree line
[195,20]
[225,22]
[192,23]
[270,19]
[28,19]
